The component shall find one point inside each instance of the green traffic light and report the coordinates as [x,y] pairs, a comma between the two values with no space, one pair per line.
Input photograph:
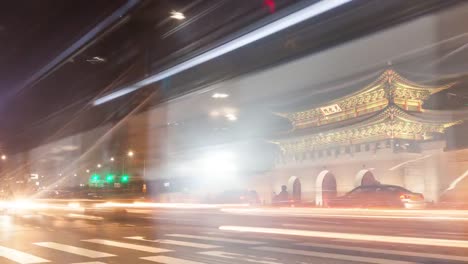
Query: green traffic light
[124,178]
[110,178]
[95,177]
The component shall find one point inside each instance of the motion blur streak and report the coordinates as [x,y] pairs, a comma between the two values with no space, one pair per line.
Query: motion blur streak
[454,215]
[360,237]
[85,217]
[165,205]
[269,29]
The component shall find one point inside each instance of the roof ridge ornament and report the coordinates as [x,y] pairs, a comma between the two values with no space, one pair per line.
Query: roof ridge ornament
[389,88]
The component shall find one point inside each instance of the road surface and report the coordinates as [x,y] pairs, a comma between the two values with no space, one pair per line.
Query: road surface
[272,236]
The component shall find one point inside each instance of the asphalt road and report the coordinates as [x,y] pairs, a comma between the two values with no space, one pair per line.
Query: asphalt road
[192,236]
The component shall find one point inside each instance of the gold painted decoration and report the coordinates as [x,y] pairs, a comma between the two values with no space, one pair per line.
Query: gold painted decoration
[390,87]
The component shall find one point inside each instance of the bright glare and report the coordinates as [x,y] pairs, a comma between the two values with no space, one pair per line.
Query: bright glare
[4,157]
[74,205]
[87,171]
[112,159]
[220,95]
[99,165]
[217,164]
[231,117]
[177,15]
[130,153]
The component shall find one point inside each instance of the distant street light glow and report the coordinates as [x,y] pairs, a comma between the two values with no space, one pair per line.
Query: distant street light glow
[220,95]
[112,159]
[99,165]
[262,32]
[177,15]
[87,171]
[130,153]
[231,117]
[4,157]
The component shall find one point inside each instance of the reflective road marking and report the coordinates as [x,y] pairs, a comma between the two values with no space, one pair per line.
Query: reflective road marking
[127,245]
[20,257]
[74,250]
[218,239]
[388,251]
[240,257]
[351,236]
[175,242]
[170,260]
[92,262]
[333,256]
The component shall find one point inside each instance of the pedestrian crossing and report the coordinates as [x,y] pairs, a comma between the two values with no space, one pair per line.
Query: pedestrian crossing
[127,245]
[74,250]
[202,248]
[20,257]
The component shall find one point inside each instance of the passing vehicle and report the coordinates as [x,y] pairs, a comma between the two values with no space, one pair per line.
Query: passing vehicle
[380,196]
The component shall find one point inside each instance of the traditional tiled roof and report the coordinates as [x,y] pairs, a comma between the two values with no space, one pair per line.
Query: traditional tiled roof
[388,88]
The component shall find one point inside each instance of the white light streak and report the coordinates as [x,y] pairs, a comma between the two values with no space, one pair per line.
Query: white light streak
[177,15]
[262,32]
[349,236]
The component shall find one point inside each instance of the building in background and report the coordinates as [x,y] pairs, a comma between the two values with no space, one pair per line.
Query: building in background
[379,133]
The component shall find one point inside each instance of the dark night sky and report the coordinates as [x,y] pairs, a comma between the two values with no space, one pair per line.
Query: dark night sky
[34,32]
[31,34]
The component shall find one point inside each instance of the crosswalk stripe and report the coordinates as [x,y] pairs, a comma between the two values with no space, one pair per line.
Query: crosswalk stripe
[127,245]
[74,250]
[350,236]
[333,256]
[230,255]
[389,251]
[218,239]
[170,260]
[283,239]
[20,257]
[92,262]
[175,242]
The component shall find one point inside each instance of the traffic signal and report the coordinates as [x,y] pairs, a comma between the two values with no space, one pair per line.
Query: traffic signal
[124,178]
[95,178]
[110,178]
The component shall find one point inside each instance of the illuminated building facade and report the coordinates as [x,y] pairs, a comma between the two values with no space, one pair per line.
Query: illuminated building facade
[380,133]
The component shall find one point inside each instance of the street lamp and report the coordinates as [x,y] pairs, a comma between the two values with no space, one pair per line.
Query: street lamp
[130,153]
[99,165]
[4,157]
[112,159]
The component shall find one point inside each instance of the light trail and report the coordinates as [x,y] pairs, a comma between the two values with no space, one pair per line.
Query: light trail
[349,236]
[257,34]
[166,205]
[449,215]
[409,161]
